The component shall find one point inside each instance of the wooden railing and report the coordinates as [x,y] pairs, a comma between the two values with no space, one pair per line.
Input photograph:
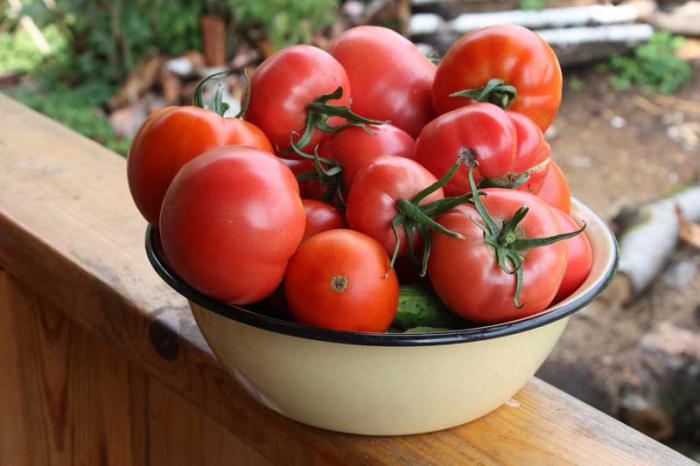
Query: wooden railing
[103,364]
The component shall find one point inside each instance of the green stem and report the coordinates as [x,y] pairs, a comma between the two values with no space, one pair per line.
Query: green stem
[216,104]
[496,91]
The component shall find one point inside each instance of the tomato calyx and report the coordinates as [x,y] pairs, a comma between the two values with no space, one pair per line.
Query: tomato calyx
[216,104]
[495,91]
[416,217]
[506,239]
[318,112]
[339,283]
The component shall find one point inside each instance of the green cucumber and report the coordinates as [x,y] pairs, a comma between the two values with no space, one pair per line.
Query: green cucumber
[420,307]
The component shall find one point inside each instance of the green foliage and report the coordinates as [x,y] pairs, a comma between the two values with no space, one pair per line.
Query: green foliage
[575,84]
[531,4]
[78,108]
[285,21]
[653,65]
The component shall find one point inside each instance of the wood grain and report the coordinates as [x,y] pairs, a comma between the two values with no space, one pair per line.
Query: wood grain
[70,399]
[68,229]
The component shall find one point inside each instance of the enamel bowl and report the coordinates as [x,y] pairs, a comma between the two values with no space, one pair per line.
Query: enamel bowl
[387,384]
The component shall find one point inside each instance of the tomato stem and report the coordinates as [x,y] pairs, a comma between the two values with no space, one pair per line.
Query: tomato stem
[412,216]
[216,104]
[506,239]
[318,112]
[495,91]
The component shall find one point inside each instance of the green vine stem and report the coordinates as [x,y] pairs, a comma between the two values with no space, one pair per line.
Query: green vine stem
[413,216]
[507,240]
[216,104]
[318,112]
[496,91]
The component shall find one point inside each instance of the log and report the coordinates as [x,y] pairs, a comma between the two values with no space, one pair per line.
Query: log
[661,395]
[214,40]
[648,240]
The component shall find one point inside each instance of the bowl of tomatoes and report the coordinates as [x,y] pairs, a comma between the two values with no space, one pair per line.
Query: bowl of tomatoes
[376,244]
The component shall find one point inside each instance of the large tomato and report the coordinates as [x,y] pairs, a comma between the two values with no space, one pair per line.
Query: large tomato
[390,78]
[579,258]
[380,192]
[353,147]
[513,54]
[171,137]
[532,153]
[481,132]
[320,217]
[494,275]
[231,219]
[340,279]
[287,96]
[555,189]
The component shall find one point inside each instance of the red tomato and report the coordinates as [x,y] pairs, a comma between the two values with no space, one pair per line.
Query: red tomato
[353,147]
[376,192]
[231,220]
[579,260]
[481,132]
[466,273]
[308,189]
[320,217]
[338,280]
[171,137]
[532,153]
[555,189]
[284,85]
[507,52]
[390,78]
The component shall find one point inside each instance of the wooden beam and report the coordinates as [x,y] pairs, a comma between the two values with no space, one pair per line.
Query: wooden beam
[69,231]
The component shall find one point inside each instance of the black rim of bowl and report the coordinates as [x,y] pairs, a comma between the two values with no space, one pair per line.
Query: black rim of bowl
[296,329]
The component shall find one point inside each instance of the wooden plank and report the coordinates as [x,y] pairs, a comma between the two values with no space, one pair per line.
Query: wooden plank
[68,229]
[67,398]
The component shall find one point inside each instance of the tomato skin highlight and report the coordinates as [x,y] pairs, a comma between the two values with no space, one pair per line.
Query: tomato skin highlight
[320,217]
[353,147]
[171,137]
[579,260]
[285,84]
[465,273]
[371,204]
[531,154]
[509,52]
[231,219]
[338,280]
[555,189]
[390,78]
[482,131]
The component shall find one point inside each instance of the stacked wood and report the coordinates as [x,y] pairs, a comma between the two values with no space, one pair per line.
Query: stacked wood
[661,393]
[578,34]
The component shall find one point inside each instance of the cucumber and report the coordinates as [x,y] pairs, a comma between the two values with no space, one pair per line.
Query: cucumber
[420,307]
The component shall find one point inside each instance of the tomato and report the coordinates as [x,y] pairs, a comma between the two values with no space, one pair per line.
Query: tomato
[555,189]
[390,78]
[320,217]
[506,52]
[579,260]
[353,147]
[294,91]
[481,132]
[171,137]
[375,197]
[338,280]
[498,272]
[231,219]
[531,154]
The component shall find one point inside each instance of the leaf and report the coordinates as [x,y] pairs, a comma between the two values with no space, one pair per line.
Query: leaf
[688,231]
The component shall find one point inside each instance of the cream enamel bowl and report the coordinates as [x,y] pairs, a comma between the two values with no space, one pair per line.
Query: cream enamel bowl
[387,384]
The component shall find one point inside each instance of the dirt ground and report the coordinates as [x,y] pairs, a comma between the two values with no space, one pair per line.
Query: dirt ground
[617,148]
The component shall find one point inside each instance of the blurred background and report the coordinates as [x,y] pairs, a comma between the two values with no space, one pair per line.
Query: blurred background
[627,136]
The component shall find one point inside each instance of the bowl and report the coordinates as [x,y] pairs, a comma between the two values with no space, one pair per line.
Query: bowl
[386,384]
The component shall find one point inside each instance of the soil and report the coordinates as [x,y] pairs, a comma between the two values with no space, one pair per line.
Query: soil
[615,149]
